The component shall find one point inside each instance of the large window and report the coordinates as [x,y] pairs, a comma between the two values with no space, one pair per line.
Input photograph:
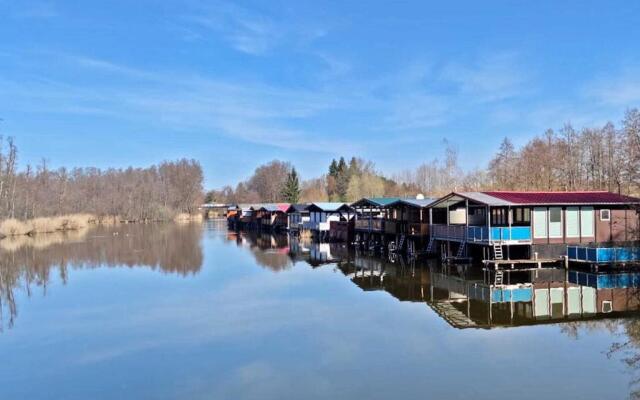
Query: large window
[586,222]
[555,222]
[573,222]
[499,216]
[521,216]
[539,223]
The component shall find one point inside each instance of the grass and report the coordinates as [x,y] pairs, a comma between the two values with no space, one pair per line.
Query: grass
[184,217]
[74,222]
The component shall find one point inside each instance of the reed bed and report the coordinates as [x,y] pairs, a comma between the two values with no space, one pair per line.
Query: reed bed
[14,227]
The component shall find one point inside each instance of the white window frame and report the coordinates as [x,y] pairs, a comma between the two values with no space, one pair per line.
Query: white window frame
[536,234]
[559,236]
[608,212]
[582,221]
[566,227]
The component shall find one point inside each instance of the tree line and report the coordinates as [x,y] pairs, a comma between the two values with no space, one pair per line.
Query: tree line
[591,158]
[158,192]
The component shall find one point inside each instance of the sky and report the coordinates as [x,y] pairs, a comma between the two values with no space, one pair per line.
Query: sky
[236,84]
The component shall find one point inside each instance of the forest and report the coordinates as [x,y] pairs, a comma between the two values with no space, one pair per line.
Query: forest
[590,158]
[158,192]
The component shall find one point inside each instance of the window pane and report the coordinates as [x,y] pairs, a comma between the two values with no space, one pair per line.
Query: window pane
[540,223]
[555,222]
[586,221]
[573,223]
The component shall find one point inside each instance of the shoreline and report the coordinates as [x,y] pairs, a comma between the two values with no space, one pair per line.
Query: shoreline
[13,227]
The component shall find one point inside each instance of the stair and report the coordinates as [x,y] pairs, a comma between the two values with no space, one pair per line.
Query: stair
[497,252]
[498,278]
[430,246]
[400,243]
[461,250]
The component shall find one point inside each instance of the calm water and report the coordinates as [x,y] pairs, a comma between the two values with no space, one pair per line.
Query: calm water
[191,311]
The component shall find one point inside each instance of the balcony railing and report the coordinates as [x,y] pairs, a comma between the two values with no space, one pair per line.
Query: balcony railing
[374,225]
[316,226]
[482,233]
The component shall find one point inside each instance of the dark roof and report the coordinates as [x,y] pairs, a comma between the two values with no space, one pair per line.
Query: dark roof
[419,203]
[563,197]
[375,201]
[300,207]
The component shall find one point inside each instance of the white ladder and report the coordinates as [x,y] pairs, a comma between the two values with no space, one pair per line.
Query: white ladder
[497,252]
[498,277]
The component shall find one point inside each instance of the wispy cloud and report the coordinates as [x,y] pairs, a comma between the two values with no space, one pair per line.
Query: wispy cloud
[250,112]
[621,89]
[244,30]
[491,78]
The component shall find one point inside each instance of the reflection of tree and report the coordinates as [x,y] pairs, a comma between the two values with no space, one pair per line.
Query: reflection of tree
[270,251]
[627,330]
[169,248]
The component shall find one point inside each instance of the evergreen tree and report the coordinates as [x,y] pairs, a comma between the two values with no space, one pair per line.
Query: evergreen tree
[342,180]
[333,168]
[291,189]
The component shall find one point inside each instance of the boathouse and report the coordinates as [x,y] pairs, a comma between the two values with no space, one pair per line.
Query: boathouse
[273,216]
[322,214]
[527,225]
[297,215]
[370,217]
[406,224]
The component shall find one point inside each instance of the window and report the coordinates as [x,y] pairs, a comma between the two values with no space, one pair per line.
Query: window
[573,222]
[586,222]
[521,215]
[605,215]
[539,223]
[498,216]
[555,222]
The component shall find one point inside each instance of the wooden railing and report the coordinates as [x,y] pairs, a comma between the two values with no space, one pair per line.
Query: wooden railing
[481,233]
[369,225]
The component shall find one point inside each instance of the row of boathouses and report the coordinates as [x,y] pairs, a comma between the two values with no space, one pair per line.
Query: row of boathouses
[589,226]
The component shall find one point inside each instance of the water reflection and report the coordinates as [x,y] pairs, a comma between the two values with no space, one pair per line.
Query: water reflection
[465,296]
[28,263]
[240,315]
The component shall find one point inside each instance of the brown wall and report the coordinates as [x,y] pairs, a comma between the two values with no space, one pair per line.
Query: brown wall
[623,226]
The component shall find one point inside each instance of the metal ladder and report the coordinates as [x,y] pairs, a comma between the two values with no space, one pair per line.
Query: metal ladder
[497,252]
[499,278]
[432,243]
[400,243]
[461,250]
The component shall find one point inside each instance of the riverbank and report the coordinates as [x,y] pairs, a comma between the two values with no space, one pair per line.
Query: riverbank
[13,227]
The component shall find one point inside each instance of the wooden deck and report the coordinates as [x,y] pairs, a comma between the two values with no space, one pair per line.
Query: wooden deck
[520,264]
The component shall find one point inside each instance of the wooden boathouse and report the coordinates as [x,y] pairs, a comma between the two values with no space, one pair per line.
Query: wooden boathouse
[370,217]
[272,216]
[530,225]
[406,225]
[297,215]
[321,215]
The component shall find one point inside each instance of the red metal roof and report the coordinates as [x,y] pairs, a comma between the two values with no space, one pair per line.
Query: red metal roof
[563,197]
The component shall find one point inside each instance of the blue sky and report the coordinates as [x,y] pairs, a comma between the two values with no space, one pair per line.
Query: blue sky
[235,84]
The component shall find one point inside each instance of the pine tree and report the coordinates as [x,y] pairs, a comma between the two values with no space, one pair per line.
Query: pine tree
[291,189]
[342,180]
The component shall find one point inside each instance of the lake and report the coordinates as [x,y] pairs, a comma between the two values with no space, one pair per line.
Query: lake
[167,311]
